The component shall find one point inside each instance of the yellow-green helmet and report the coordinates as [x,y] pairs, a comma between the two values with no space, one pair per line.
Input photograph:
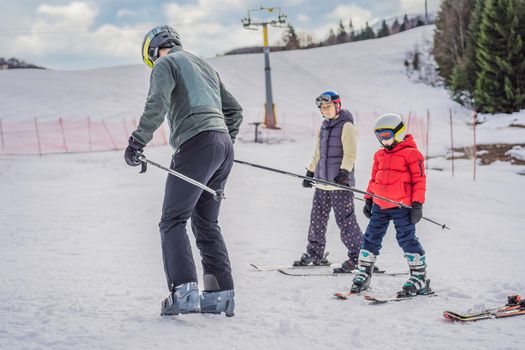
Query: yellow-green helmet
[390,123]
[158,38]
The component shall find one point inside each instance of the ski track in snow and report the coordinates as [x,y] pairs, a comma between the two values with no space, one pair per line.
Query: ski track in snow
[81,260]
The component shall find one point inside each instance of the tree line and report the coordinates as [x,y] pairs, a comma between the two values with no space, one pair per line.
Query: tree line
[14,63]
[343,33]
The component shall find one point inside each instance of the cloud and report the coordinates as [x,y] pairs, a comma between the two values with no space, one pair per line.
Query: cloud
[67,30]
[125,12]
[413,6]
[201,26]
[303,18]
[358,15]
[81,14]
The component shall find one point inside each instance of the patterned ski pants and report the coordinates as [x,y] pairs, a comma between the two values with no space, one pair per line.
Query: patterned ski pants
[343,204]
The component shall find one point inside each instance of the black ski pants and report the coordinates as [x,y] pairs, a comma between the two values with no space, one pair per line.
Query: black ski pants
[207,158]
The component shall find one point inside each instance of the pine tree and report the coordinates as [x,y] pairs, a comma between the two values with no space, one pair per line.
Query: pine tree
[450,38]
[342,37]
[500,54]
[405,24]
[351,31]
[332,39]
[395,27]
[368,33]
[465,72]
[291,41]
[471,62]
[384,31]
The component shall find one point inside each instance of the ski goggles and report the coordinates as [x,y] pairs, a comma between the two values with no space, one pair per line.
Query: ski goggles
[325,98]
[384,134]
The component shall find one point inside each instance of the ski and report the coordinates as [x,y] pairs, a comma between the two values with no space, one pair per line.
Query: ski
[313,274]
[262,268]
[426,291]
[514,307]
[381,300]
[344,295]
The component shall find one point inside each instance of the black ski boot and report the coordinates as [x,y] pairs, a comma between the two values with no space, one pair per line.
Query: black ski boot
[366,264]
[515,300]
[348,266]
[307,259]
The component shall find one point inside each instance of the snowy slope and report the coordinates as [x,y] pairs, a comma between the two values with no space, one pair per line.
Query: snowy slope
[81,261]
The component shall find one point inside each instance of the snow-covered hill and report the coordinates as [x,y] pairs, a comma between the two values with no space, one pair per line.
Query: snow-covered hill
[80,250]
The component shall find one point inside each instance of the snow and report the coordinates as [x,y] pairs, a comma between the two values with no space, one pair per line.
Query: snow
[81,259]
[517,152]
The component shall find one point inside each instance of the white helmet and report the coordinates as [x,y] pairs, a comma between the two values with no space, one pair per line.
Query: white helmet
[390,125]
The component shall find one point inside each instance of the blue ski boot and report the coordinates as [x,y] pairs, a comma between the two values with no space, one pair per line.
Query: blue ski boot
[215,301]
[365,266]
[184,299]
[417,283]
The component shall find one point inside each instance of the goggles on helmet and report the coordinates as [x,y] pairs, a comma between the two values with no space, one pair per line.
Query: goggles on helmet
[323,99]
[384,134]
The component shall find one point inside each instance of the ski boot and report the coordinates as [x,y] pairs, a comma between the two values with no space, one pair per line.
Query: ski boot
[307,259]
[516,300]
[183,299]
[347,266]
[417,283]
[365,265]
[215,301]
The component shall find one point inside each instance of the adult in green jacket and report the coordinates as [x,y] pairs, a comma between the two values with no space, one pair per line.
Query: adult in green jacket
[204,119]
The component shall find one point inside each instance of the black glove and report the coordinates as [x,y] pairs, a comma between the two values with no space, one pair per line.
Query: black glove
[342,177]
[307,183]
[416,213]
[367,209]
[133,150]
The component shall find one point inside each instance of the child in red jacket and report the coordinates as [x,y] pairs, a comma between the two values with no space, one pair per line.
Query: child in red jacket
[397,174]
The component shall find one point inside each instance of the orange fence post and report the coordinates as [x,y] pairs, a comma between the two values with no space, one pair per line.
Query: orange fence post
[2,134]
[451,142]
[89,134]
[38,137]
[427,140]
[475,150]
[61,123]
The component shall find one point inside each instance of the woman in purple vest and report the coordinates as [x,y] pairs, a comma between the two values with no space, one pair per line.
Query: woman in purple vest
[333,160]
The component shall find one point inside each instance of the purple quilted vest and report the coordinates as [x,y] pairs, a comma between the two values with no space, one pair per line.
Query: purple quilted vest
[331,148]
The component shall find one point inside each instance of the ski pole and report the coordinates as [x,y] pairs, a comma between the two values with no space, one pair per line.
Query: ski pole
[217,194]
[324,182]
[343,187]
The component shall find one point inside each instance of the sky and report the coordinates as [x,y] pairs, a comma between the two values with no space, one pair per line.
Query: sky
[71,35]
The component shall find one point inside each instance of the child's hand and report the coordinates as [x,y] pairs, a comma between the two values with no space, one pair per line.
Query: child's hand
[307,183]
[367,209]
[416,213]
[342,177]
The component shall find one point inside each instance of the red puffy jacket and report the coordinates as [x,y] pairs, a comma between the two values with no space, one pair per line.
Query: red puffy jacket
[398,174]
